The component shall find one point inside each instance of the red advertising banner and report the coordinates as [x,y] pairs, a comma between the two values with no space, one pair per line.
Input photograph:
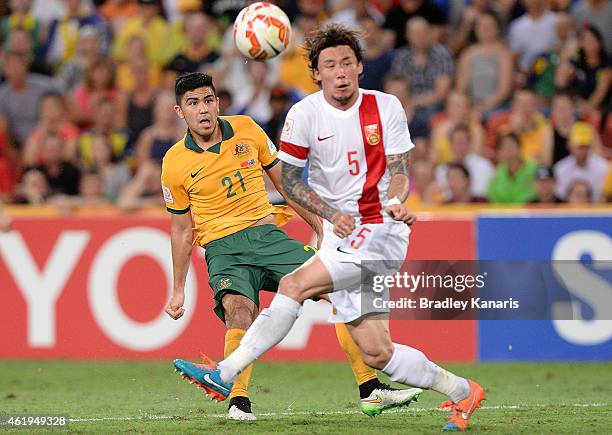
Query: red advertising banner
[96,288]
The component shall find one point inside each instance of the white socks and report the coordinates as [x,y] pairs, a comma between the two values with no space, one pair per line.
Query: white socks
[268,329]
[410,366]
[455,387]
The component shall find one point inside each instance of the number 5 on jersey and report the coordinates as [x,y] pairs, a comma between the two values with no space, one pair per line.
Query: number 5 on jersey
[360,238]
[353,162]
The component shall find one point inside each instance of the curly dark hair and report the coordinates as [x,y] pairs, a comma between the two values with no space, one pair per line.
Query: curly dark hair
[331,35]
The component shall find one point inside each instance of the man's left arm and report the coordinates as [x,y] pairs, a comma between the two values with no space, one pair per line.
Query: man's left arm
[311,219]
[399,187]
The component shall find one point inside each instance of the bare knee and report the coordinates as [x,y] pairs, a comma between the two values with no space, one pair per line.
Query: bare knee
[239,311]
[377,356]
[291,286]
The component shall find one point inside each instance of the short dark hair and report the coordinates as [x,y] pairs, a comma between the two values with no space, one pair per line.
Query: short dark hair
[460,167]
[189,82]
[331,35]
[510,135]
[460,127]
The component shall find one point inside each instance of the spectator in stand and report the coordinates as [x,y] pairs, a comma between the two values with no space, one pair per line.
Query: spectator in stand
[587,72]
[424,190]
[563,117]
[358,10]
[428,67]
[155,140]
[64,33]
[459,182]
[53,119]
[90,194]
[62,176]
[532,33]
[89,51]
[280,102]
[377,57]
[137,67]
[458,111]
[254,100]
[99,83]
[199,52]
[115,174]
[313,8]
[48,10]
[466,33]
[91,189]
[21,19]
[481,170]
[293,64]
[20,41]
[582,163]
[137,106]
[513,182]
[579,192]
[152,28]
[178,42]
[541,76]
[34,188]
[532,128]
[20,97]
[545,186]
[143,190]
[485,68]
[398,16]
[118,12]
[399,86]
[599,14]
[225,101]
[105,125]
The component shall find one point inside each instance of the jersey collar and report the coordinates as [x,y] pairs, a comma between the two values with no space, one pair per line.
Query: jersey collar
[227,132]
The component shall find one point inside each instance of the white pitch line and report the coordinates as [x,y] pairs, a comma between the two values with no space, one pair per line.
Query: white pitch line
[322,414]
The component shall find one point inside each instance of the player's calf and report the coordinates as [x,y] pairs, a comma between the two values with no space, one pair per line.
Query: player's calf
[377,356]
[239,311]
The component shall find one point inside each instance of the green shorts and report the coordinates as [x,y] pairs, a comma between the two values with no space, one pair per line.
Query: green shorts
[251,260]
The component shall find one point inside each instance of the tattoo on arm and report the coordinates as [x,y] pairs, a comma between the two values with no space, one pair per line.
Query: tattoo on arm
[398,168]
[302,194]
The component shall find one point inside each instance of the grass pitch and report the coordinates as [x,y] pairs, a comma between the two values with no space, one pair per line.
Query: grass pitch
[313,398]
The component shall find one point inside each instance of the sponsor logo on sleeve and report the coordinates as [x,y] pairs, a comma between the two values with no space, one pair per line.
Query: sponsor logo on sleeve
[287,129]
[167,195]
[271,147]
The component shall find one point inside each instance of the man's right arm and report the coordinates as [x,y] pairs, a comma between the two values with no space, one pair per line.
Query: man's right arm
[303,195]
[181,238]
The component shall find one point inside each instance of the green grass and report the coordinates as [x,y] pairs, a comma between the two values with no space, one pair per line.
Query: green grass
[318,398]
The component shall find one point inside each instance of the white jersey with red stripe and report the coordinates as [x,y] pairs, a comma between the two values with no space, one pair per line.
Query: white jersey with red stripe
[346,149]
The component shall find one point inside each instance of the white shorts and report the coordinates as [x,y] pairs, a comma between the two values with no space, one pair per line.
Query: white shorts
[342,258]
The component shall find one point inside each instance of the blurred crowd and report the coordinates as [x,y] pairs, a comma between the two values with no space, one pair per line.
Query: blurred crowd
[508,101]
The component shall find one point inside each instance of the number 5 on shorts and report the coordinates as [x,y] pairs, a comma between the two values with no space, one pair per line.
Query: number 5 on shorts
[360,238]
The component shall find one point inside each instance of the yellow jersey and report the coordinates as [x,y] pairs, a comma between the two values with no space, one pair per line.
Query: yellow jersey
[222,186]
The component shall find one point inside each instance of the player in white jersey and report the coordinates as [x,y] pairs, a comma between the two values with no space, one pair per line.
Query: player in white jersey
[357,144]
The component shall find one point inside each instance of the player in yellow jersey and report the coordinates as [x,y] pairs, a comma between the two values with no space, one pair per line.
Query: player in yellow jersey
[213,186]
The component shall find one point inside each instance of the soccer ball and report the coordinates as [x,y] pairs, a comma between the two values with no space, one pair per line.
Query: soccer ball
[262,31]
